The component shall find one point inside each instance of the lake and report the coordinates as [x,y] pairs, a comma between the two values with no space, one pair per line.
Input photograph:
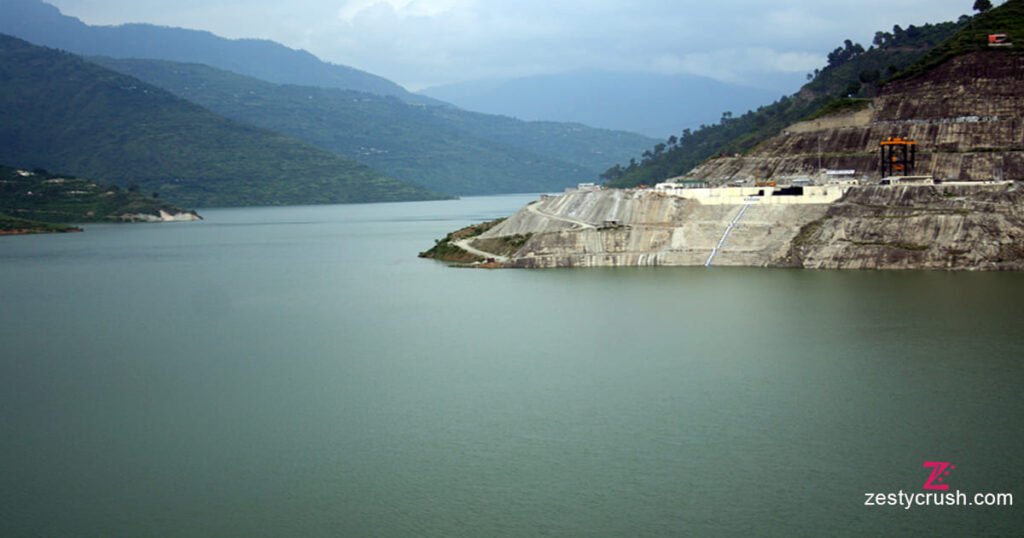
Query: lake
[298,371]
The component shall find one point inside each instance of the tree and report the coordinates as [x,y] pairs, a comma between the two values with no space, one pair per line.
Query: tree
[673,140]
[869,76]
[835,57]
[982,6]
[613,173]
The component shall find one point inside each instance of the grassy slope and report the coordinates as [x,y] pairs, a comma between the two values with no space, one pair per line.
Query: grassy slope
[830,88]
[63,113]
[446,249]
[443,148]
[41,196]
[17,226]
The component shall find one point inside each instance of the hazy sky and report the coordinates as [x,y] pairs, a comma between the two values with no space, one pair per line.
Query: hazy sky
[425,42]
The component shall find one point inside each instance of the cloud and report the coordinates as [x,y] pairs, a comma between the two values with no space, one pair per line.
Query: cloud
[425,42]
[350,10]
[737,65]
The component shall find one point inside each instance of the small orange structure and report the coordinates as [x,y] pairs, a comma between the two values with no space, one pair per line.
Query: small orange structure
[999,40]
[765,184]
[898,155]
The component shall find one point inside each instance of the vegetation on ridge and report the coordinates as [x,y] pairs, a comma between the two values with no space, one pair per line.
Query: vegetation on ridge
[441,147]
[1006,19]
[35,200]
[853,74]
[448,251]
[63,113]
[16,226]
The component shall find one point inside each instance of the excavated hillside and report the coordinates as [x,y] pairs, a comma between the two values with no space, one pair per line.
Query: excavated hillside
[615,228]
[954,227]
[967,116]
[926,227]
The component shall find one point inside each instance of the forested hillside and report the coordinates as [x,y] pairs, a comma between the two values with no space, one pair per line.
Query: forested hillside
[443,148]
[63,113]
[41,196]
[853,74]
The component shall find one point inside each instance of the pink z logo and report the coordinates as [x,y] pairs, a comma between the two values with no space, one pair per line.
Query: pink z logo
[939,473]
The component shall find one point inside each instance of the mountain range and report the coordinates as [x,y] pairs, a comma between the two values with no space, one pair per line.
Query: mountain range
[63,113]
[353,114]
[43,24]
[651,104]
[440,147]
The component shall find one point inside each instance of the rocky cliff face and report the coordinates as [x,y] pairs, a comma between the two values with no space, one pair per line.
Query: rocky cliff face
[967,116]
[612,228]
[940,227]
[952,227]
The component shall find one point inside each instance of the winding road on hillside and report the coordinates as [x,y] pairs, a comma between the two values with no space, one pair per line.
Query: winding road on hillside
[532,208]
[464,245]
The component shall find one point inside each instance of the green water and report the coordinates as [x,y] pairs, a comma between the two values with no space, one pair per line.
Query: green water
[299,372]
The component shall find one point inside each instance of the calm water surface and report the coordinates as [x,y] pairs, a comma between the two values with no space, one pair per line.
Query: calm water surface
[299,372]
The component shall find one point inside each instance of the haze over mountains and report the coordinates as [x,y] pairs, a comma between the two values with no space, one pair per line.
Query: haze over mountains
[354,115]
[285,98]
[443,148]
[651,104]
[62,113]
[43,24]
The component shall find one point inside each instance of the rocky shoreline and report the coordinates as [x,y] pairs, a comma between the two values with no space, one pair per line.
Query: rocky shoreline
[949,227]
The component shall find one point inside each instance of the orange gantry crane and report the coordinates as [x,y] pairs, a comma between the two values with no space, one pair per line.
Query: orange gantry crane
[898,156]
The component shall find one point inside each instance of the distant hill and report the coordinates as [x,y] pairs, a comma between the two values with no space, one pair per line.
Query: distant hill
[442,148]
[852,76]
[63,113]
[43,24]
[40,196]
[654,105]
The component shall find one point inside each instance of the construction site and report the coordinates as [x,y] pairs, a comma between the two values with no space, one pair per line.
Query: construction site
[924,176]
